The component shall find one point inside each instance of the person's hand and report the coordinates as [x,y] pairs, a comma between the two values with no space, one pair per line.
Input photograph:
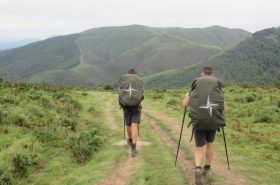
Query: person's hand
[225,109]
[186,100]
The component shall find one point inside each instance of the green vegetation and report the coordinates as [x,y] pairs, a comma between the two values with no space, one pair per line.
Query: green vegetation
[154,160]
[97,56]
[255,60]
[41,128]
[253,130]
[56,135]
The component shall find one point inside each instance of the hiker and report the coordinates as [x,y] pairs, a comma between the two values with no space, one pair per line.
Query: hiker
[131,91]
[207,114]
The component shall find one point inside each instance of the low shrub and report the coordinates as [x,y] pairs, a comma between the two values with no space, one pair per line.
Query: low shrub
[72,124]
[19,120]
[5,178]
[263,119]
[108,87]
[157,96]
[46,103]
[250,98]
[172,102]
[2,117]
[84,94]
[46,135]
[76,105]
[21,162]
[8,99]
[58,95]
[85,144]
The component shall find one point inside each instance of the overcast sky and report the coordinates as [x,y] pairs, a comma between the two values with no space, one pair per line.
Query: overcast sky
[38,19]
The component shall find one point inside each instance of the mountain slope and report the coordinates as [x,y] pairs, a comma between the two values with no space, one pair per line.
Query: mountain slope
[255,60]
[53,53]
[99,55]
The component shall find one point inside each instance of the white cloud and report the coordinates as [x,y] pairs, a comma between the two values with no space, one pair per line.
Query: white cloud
[40,18]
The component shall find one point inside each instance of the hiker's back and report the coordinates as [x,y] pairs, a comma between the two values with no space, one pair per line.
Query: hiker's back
[207,103]
[131,90]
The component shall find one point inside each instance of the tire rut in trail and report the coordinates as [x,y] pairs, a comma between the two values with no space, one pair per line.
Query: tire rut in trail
[229,177]
[187,165]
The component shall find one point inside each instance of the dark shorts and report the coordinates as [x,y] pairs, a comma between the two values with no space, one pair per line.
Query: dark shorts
[132,115]
[202,136]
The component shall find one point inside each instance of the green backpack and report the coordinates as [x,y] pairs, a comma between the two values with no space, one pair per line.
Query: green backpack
[207,104]
[131,90]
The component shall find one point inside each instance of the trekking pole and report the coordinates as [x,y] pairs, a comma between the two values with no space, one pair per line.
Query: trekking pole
[123,127]
[180,135]
[226,147]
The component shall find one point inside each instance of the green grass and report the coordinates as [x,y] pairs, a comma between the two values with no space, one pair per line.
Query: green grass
[158,160]
[174,136]
[155,159]
[38,121]
[253,142]
[28,111]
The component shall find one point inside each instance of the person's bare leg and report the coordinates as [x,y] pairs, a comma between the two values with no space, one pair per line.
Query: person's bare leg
[128,128]
[199,151]
[209,153]
[134,132]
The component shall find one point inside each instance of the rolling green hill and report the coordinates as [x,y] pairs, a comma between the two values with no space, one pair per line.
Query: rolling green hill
[97,56]
[255,60]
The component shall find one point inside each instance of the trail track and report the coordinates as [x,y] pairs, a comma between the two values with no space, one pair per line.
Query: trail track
[228,177]
[121,171]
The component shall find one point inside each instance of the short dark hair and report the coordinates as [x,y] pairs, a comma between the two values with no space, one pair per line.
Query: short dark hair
[208,70]
[131,71]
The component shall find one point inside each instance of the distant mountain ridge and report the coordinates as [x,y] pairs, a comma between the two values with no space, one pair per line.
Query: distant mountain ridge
[254,60]
[98,56]
[15,44]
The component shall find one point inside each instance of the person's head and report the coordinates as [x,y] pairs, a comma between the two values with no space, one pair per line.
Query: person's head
[131,71]
[207,71]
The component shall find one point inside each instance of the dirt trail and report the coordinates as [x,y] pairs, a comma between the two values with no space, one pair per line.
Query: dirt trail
[109,115]
[120,173]
[230,177]
[121,170]
[186,165]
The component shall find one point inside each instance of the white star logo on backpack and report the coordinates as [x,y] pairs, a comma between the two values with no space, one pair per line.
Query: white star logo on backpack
[209,106]
[130,89]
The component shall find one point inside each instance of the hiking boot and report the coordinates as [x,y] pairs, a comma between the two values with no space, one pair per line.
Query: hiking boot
[198,175]
[129,142]
[207,172]
[134,152]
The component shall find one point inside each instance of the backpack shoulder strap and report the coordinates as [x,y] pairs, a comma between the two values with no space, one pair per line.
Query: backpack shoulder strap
[193,85]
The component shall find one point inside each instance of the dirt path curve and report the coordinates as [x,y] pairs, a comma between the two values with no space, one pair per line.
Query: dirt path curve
[109,115]
[230,177]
